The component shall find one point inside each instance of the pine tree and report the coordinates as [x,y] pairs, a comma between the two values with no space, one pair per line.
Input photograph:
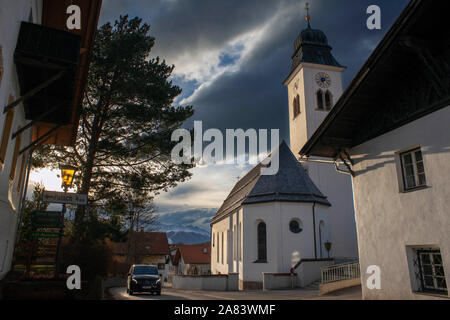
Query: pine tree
[124,138]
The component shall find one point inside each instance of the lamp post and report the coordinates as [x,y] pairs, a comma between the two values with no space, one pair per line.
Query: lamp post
[67,175]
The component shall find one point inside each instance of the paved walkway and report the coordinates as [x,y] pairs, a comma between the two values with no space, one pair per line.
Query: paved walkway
[297,294]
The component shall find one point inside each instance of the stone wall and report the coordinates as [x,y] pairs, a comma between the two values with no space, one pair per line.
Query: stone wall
[206,283]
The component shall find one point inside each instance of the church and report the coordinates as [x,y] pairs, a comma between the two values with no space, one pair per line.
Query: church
[270,224]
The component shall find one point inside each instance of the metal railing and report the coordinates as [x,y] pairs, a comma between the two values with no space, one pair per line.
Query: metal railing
[340,272]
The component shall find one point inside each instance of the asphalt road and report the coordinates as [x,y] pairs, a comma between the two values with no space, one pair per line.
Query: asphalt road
[298,294]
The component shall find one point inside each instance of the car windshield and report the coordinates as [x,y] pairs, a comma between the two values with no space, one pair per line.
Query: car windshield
[145,270]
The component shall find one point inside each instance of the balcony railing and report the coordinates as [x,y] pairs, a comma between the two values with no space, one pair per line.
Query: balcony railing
[340,272]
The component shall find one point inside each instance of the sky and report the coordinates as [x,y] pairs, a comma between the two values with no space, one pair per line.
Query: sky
[231,58]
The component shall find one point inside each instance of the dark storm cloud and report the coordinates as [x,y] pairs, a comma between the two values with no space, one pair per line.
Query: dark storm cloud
[250,95]
[253,97]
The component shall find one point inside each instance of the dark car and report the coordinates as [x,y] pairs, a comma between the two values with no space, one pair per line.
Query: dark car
[143,278]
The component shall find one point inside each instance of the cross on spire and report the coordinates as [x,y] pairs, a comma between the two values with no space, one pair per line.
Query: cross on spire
[308,17]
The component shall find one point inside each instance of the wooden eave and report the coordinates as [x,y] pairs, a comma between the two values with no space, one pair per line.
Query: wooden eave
[54,16]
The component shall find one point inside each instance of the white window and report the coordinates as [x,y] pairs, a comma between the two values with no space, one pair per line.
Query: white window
[413,169]
[431,271]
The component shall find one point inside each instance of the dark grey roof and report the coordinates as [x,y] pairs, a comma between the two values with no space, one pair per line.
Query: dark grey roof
[290,184]
[312,46]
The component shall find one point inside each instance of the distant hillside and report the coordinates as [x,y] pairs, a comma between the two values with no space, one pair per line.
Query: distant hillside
[188,226]
[184,237]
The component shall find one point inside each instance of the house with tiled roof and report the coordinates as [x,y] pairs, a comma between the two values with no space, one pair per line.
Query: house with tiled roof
[193,259]
[144,248]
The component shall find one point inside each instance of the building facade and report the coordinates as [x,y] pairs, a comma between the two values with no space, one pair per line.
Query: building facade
[41,90]
[142,248]
[392,127]
[314,85]
[12,166]
[193,259]
[268,224]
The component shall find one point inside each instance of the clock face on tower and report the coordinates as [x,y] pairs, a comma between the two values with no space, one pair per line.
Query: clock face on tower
[323,80]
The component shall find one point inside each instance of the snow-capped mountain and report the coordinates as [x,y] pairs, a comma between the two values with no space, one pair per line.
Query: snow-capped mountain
[186,227]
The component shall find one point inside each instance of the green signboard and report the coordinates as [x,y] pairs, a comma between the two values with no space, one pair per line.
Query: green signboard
[44,235]
[46,219]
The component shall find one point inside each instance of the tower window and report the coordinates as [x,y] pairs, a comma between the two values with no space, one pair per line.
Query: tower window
[296,106]
[320,102]
[328,100]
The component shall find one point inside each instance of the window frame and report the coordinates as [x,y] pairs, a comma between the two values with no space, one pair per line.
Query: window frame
[299,224]
[15,159]
[404,176]
[424,288]
[7,127]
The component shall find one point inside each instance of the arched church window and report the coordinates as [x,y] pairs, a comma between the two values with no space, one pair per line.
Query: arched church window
[320,102]
[262,242]
[296,106]
[328,100]
[295,226]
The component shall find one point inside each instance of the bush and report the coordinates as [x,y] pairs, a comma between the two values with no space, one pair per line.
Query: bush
[94,259]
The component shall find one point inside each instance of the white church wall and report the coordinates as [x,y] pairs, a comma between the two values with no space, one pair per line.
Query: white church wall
[297,126]
[391,223]
[252,216]
[323,219]
[303,83]
[10,193]
[314,115]
[336,186]
[284,248]
[338,189]
[220,251]
[295,246]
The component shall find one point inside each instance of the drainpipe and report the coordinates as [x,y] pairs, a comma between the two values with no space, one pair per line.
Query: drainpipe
[314,229]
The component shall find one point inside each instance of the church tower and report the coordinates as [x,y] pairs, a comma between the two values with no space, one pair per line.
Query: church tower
[314,86]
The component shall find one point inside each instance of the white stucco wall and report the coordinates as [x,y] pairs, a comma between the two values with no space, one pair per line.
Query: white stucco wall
[336,186]
[218,229]
[12,13]
[284,248]
[388,220]
[304,126]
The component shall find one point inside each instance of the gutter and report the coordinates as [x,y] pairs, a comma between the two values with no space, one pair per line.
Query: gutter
[314,227]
